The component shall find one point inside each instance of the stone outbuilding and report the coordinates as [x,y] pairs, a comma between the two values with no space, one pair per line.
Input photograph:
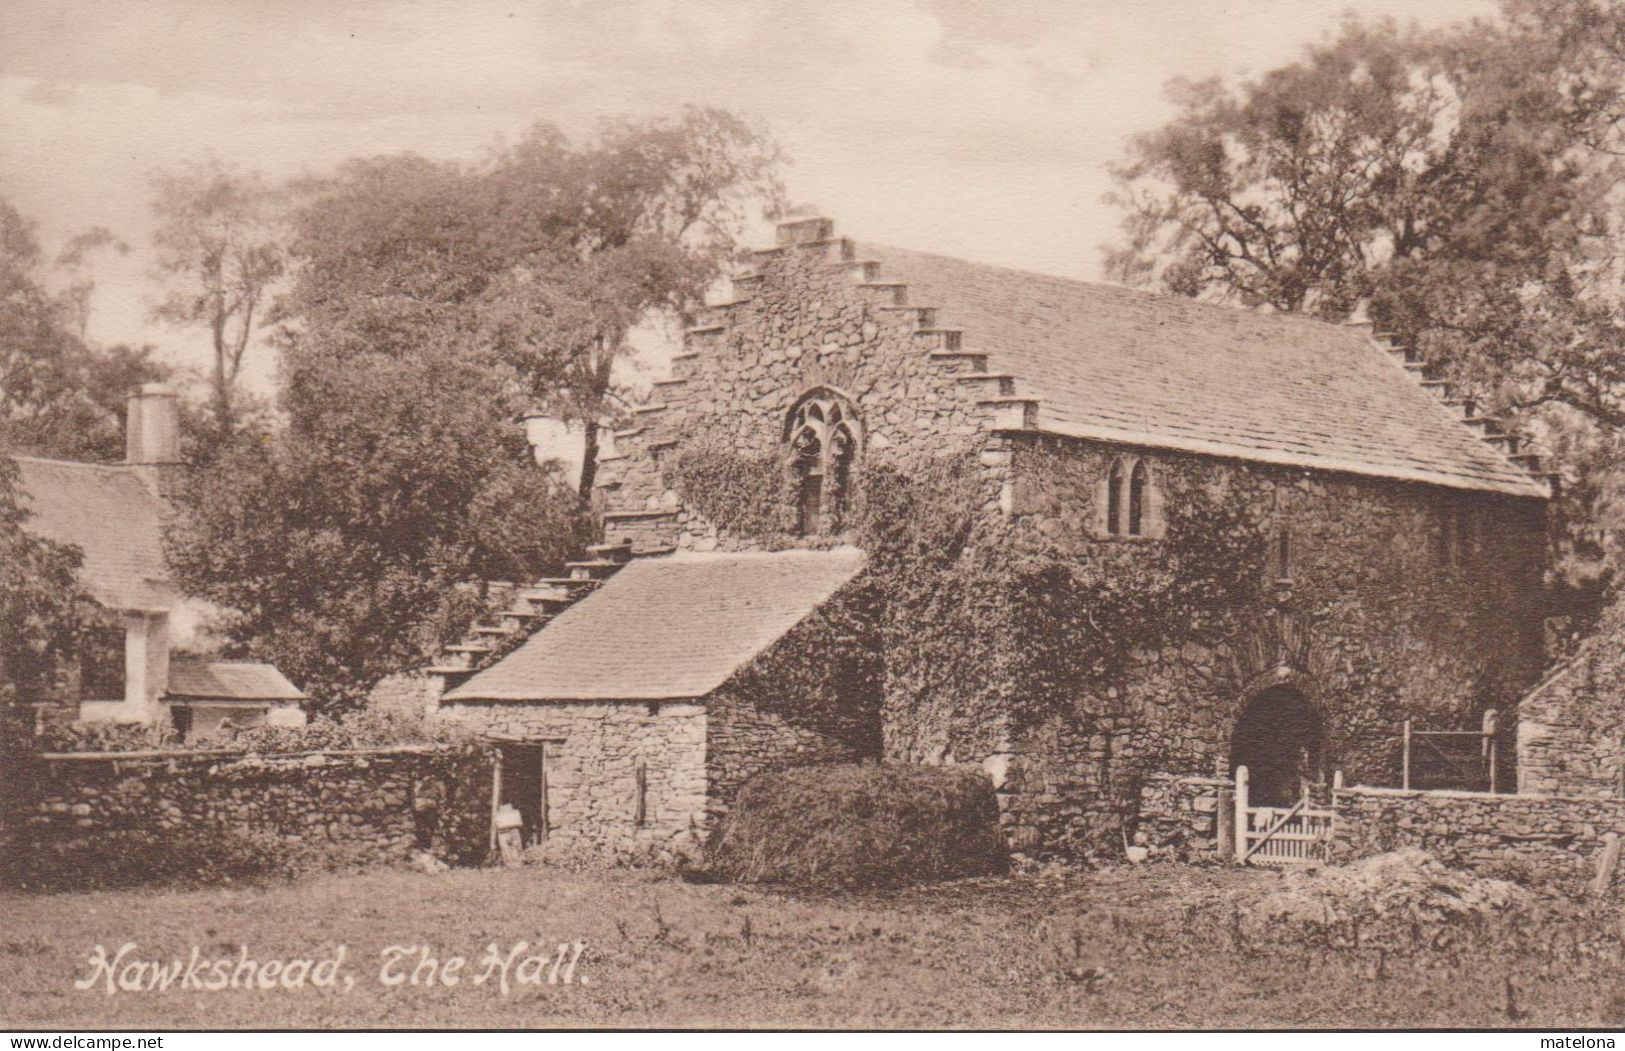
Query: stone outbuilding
[630,719]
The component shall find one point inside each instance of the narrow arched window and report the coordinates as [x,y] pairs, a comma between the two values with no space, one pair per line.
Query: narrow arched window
[1283,555]
[1114,498]
[824,438]
[1139,482]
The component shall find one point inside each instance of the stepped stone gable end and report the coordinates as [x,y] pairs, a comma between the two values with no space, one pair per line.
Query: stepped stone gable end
[1397,609]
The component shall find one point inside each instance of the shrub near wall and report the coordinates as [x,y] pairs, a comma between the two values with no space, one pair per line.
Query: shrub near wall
[81,819]
[860,826]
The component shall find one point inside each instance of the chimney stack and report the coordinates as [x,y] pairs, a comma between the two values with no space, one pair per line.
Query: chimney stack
[152,430]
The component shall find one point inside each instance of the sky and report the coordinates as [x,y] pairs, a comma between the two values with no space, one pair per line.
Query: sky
[976,128]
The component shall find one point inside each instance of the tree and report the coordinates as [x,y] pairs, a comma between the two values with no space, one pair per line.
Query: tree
[344,543]
[42,607]
[1462,182]
[218,240]
[639,223]
[59,395]
[429,305]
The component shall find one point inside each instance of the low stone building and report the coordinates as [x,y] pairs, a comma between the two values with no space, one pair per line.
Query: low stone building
[1571,727]
[114,514]
[1109,535]
[631,718]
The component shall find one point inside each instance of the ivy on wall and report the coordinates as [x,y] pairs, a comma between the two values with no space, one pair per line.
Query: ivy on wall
[743,495]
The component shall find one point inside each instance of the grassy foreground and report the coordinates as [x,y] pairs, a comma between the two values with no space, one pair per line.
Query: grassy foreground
[1113,949]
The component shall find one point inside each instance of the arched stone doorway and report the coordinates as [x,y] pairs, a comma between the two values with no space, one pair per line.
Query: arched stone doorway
[1278,740]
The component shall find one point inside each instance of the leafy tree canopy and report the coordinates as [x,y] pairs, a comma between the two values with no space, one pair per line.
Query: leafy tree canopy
[59,395]
[429,305]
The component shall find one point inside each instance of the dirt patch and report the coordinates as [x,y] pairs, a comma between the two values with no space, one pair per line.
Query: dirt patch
[1402,902]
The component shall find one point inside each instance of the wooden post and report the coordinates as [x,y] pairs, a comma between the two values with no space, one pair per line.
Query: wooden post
[1241,813]
[1606,863]
[496,794]
[1405,781]
[541,788]
[1487,747]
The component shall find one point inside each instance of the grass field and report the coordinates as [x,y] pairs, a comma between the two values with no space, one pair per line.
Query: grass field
[1120,948]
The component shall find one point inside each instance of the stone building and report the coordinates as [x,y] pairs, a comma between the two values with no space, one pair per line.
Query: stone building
[127,669]
[1571,726]
[1108,535]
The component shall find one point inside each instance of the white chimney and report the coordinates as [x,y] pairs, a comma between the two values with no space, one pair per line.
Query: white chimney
[152,429]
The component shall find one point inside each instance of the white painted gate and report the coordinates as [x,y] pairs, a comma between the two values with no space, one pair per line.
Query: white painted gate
[1294,835]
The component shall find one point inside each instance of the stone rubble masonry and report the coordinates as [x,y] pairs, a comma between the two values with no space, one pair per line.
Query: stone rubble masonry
[375,805]
[777,711]
[1536,839]
[1180,817]
[1380,624]
[592,750]
[1571,728]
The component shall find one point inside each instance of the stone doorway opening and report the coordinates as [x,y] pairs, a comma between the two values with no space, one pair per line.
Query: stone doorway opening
[523,786]
[1278,740]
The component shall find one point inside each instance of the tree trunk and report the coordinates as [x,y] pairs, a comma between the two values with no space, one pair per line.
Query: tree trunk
[589,457]
[222,386]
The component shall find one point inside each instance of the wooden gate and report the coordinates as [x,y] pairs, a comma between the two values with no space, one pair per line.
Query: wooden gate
[1295,835]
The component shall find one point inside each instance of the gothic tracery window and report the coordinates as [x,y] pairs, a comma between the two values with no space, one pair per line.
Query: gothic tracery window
[823,435]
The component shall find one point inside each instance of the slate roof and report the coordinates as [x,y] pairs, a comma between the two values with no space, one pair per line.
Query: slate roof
[113,517]
[666,628]
[1116,364]
[192,679]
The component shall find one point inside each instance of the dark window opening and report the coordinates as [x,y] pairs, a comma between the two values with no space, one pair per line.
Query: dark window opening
[1114,499]
[1137,484]
[101,665]
[640,815]
[1283,555]
[180,717]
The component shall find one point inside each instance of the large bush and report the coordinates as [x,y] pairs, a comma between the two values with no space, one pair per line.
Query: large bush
[859,826]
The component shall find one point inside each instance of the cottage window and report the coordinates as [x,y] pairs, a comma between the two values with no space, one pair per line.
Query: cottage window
[101,665]
[823,435]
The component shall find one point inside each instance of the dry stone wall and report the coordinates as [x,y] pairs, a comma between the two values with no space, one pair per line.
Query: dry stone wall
[368,805]
[1535,838]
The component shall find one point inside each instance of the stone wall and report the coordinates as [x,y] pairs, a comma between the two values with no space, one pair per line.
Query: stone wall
[1551,839]
[1571,728]
[365,805]
[593,750]
[1186,817]
[812,697]
[1375,627]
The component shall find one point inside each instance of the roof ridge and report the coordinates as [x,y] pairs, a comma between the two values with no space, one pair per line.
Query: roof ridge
[72,463]
[1183,302]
